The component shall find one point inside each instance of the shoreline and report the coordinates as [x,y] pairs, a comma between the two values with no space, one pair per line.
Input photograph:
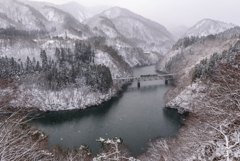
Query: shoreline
[115,96]
[118,96]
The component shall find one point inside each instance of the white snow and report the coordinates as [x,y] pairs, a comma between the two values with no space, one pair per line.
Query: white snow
[21,15]
[127,31]
[81,13]
[65,99]
[184,102]
[105,59]
[207,27]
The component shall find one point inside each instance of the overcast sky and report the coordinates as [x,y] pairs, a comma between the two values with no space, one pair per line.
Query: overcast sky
[174,12]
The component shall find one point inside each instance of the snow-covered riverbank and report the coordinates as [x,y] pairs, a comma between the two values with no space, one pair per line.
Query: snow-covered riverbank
[211,130]
[66,99]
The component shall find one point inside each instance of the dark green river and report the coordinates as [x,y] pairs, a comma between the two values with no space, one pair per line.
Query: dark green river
[137,116]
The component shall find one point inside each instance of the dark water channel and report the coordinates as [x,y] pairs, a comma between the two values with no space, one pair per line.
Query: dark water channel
[137,116]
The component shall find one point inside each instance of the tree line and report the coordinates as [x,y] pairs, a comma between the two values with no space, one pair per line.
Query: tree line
[67,68]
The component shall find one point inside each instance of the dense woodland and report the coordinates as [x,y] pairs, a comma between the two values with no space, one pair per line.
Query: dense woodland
[68,68]
[207,67]
[13,33]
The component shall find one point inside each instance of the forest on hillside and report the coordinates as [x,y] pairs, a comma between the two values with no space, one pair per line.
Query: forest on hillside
[66,68]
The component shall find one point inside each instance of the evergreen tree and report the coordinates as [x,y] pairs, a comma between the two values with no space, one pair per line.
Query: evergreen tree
[29,66]
[44,59]
[37,67]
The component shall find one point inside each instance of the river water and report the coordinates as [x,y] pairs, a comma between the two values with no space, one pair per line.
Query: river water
[137,116]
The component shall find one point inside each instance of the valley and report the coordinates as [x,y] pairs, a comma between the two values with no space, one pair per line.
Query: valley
[82,83]
[111,119]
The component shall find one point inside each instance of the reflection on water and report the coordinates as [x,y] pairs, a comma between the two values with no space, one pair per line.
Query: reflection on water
[136,116]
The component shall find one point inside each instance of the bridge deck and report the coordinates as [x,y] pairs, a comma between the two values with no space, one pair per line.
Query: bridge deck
[146,77]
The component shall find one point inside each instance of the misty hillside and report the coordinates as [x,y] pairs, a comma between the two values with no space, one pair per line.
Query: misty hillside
[21,16]
[188,52]
[81,13]
[207,27]
[30,29]
[104,27]
[103,83]
[178,31]
[60,22]
[149,35]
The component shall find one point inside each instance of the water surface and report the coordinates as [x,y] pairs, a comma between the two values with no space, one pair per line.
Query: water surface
[137,116]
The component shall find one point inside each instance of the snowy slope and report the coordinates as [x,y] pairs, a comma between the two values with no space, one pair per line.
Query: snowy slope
[40,16]
[60,23]
[182,60]
[208,27]
[138,45]
[57,24]
[64,22]
[126,48]
[80,12]
[143,47]
[149,35]
[46,100]
[21,16]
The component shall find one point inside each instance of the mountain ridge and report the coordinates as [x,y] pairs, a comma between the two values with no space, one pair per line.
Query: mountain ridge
[150,36]
[207,27]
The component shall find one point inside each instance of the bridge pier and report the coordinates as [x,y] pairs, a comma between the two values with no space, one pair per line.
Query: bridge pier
[167,78]
[166,82]
[139,85]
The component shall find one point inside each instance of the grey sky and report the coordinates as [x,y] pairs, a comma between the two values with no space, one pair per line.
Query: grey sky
[174,12]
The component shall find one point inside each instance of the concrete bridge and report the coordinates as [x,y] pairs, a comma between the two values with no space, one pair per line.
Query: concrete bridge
[150,77]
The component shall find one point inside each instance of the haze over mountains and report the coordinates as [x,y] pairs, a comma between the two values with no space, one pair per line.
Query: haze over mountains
[138,40]
[119,38]
[82,13]
[74,21]
[68,57]
[44,16]
[208,27]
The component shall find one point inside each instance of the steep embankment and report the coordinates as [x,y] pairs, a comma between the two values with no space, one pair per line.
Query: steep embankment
[188,52]
[211,96]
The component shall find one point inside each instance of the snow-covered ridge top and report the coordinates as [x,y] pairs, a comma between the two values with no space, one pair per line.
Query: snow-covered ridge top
[118,12]
[146,34]
[20,15]
[81,13]
[115,12]
[207,27]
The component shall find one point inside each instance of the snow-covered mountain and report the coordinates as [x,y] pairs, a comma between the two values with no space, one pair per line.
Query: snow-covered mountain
[21,16]
[30,28]
[208,27]
[132,54]
[60,23]
[40,16]
[81,13]
[188,52]
[149,35]
[138,40]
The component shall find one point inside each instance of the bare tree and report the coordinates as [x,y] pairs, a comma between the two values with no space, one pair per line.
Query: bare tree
[19,142]
[112,151]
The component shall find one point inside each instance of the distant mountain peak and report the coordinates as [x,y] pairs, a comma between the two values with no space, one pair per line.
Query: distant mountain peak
[116,11]
[208,26]
[80,12]
[120,22]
